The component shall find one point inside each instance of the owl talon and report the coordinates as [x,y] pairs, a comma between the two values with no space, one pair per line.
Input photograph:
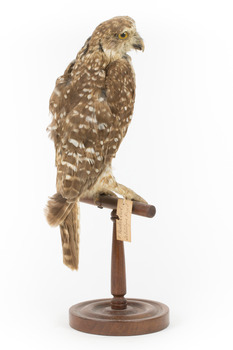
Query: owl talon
[97,197]
[108,193]
[127,193]
[139,199]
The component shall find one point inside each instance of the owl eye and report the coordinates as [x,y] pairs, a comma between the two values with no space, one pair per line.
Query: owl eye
[123,35]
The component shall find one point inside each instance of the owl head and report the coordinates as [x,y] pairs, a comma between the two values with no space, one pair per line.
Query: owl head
[116,37]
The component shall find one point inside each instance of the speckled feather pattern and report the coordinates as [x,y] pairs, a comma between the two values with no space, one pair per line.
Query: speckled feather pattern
[92,106]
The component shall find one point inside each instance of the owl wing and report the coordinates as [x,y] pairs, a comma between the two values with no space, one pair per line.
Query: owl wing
[88,137]
[120,96]
[81,150]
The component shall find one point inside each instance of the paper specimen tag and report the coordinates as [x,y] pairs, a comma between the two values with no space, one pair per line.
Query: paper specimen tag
[123,225]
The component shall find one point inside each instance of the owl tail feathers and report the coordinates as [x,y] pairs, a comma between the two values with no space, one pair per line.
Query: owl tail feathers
[60,212]
[70,238]
[57,209]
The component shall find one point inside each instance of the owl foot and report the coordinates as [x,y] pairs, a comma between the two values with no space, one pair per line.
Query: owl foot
[127,193]
[108,186]
[97,196]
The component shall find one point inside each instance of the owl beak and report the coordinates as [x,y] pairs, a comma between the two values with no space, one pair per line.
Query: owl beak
[138,43]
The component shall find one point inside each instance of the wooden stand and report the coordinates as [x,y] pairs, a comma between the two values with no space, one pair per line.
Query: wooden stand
[119,316]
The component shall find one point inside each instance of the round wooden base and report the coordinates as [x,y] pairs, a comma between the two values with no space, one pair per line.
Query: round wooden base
[140,317]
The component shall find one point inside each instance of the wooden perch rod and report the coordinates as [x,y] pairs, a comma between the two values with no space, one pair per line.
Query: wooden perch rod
[109,202]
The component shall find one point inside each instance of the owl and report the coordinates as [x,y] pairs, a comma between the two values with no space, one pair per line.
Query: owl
[91,106]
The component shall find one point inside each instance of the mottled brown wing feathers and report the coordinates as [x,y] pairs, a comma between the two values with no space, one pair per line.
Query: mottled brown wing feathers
[87,134]
[120,92]
[91,106]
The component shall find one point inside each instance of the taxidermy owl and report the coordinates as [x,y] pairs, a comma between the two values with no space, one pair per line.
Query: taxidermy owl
[91,106]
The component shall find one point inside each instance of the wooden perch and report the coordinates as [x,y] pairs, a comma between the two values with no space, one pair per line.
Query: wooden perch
[119,315]
[109,202]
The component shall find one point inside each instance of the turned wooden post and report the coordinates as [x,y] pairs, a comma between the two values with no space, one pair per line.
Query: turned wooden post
[118,278]
[118,315]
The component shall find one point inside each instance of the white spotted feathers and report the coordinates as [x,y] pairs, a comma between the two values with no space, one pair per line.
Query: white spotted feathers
[92,105]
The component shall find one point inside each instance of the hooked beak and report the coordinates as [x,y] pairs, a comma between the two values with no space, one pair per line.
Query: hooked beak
[138,43]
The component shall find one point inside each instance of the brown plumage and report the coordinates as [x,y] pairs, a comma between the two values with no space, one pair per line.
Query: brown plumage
[92,106]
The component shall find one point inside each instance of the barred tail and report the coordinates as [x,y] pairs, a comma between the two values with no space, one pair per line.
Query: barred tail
[60,212]
[70,238]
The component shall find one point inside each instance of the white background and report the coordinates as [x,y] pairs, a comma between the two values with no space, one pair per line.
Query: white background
[177,154]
